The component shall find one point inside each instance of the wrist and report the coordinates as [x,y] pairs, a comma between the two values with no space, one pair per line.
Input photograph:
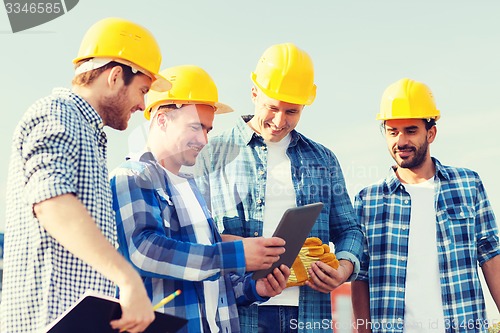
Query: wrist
[348,268]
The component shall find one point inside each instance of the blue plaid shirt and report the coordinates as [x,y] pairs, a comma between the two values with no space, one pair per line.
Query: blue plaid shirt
[232,176]
[466,235]
[162,246]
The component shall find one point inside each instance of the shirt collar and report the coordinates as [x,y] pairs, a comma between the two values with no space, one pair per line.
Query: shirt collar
[247,134]
[392,181]
[87,111]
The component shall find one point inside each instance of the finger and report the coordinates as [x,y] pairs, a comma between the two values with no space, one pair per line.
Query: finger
[267,286]
[269,260]
[312,285]
[276,241]
[128,325]
[271,280]
[122,325]
[274,251]
[322,281]
[282,276]
[318,276]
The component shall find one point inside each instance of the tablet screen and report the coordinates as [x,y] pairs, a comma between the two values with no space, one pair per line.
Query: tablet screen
[294,227]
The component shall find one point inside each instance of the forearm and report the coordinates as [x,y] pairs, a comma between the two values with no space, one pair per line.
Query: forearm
[491,271]
[68,221]
[346,234]
[155,254]
[230,238]
[361,305]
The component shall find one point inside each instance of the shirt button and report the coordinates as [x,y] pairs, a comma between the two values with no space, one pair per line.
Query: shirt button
[403,228]
[259,201]
[261,172]
[263,147]
[256,234]
[401,289]
[403,258]
[406,201]
[462,214]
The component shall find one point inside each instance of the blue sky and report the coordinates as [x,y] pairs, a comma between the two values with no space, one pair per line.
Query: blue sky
[358,48]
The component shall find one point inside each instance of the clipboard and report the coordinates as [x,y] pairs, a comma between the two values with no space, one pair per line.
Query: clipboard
[93,312]
[294,227]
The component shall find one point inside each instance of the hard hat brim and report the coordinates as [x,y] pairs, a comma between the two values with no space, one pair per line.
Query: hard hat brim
[222,108]
[160,83]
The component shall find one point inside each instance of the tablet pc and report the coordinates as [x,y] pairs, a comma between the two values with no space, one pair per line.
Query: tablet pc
[294,227]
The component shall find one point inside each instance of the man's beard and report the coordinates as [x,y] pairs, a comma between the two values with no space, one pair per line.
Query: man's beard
[416,161]
[113,109]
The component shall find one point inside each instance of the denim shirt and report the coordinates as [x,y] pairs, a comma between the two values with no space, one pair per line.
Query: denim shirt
[232,171]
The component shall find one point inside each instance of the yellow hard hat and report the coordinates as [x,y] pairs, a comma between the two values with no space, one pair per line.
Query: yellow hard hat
[190,85]
[408,99]
[286,73]
[120,40]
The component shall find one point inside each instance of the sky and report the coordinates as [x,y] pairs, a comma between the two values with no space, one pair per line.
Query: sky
[358,48]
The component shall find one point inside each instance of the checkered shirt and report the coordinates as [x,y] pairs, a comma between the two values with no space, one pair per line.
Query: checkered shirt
[156,235]
[466,235]
[232,172]
[58,147]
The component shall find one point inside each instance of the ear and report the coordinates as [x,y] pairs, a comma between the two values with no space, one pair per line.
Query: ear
[162,120]
[254,94]
[431,134]
[114,76]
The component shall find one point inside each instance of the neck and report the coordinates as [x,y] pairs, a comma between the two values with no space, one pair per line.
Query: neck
[87,94]
[417,175]
[252,126]
[164,158]
[169,166]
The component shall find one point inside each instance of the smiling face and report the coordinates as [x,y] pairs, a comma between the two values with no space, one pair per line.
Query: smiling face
[408,142]
[185,134]
[273,119]
[117,107]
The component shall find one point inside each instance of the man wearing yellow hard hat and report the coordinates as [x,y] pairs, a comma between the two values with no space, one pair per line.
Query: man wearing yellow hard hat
[60,229]
[253,172]
[427,227]
[164,226]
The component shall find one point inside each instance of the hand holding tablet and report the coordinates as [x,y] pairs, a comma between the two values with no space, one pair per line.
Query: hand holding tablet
[294,227]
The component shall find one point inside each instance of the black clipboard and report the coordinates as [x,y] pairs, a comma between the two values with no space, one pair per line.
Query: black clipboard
[294,227]
[93,312]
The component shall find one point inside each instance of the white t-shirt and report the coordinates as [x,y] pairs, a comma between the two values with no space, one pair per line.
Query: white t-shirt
[203,236]
[423,302]
[279,196]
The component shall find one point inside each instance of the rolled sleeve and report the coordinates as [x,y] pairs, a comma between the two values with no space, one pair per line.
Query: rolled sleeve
[49,153]
[488,245]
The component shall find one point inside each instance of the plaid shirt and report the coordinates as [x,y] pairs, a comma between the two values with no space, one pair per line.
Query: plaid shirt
[158,239]
[466,235]
[232,170]
[59,147]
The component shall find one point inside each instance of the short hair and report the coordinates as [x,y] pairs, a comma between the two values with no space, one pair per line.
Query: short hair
[429,123]
[88,77]
[169,110]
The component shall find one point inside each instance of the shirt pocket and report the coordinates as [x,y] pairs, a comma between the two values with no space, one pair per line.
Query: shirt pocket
[460,226]
[316,183]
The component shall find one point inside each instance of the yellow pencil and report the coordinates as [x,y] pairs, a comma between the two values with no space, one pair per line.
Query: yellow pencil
[167,299]
[161,303]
